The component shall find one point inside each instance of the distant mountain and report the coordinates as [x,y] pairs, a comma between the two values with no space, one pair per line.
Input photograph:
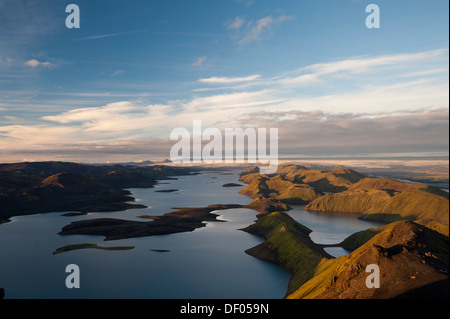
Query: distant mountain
[38,187]
[140,163]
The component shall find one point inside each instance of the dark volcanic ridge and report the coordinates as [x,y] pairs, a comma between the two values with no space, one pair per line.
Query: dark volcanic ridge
[40,187]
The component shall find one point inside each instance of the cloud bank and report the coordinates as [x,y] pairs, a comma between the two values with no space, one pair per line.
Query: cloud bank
[375,104]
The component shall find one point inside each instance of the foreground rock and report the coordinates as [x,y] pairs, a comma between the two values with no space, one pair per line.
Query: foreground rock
[413,262]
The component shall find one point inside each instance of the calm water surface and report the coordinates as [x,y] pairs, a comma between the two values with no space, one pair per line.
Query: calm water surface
[209,262]
[331,228]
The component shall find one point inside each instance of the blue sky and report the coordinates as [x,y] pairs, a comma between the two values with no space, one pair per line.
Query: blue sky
[114,88]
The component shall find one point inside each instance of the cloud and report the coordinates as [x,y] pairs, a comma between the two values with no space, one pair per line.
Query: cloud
[120,150]
[109,35]
[304,133]
[102,36]
[235,24]
[254,31]
[116,119]
[358,104]
[91,114]
[229,80]
[35,63]
[355,66]
[199,61]
[318,132]
[116,73]
[425,72]
[12,118]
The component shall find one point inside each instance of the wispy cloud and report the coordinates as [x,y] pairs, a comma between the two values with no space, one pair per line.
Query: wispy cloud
[110,35]
[355,66]
[229,80]
[255,31]
[425,72]
[35,63]
[353,133]
[116,73]
[375,107]
[235,24]
[199,61]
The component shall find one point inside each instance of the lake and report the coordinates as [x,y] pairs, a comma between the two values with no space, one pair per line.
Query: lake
[209,262]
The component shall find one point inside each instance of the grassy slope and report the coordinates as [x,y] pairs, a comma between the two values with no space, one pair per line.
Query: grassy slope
[287,244]
[386,200]
[409,255]
[378,199]
[327,180]
[412,246]
[278,188]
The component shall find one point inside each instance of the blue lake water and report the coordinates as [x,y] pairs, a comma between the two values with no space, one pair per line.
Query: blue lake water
[331,228]
[209,262]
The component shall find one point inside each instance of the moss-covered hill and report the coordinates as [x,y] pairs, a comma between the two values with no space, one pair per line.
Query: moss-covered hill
[296,184]
[278,187]
[287,244]
[344,190]
[386,200]
[413,261]
[324,180]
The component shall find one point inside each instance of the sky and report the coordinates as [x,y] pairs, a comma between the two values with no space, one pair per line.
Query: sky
[114,89]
